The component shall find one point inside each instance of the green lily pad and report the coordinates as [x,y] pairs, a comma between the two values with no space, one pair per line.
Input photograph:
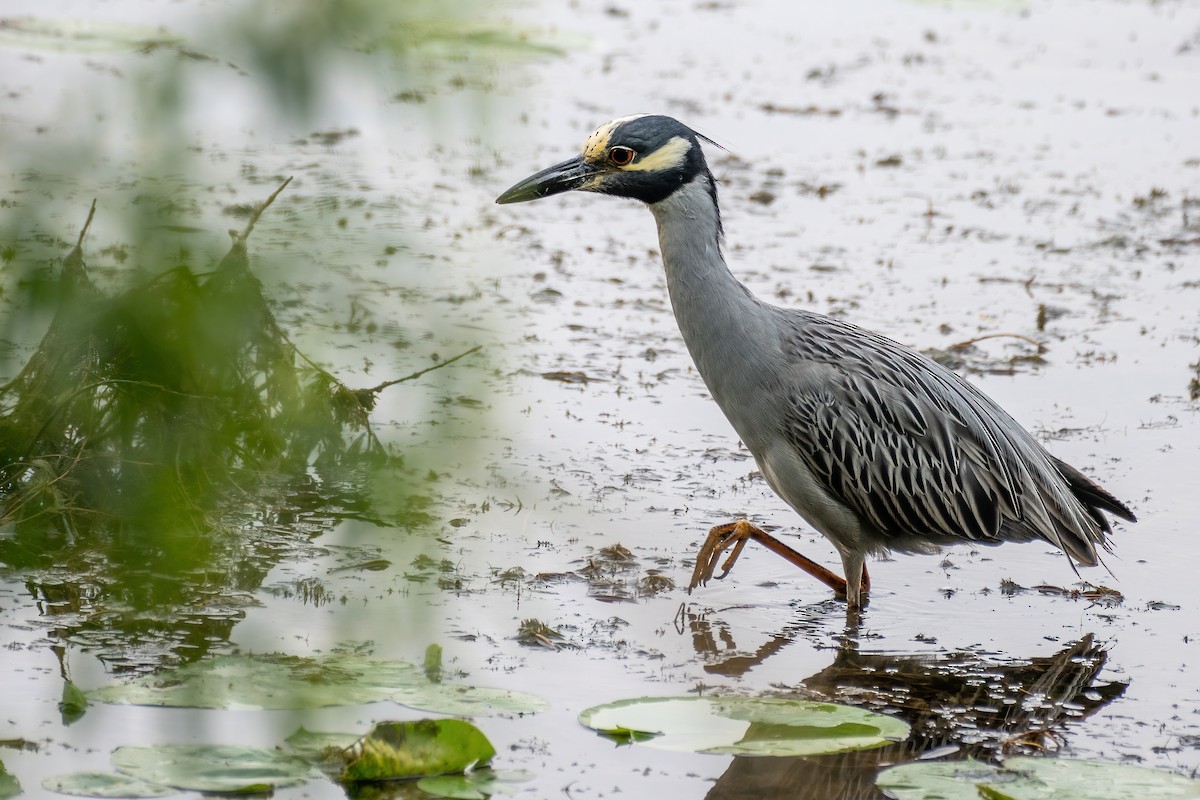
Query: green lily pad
[468,701]
[475,785]
[395,750]
[746,725]
[105,784]
[281,682]
[314,745]
[73,704]
[213,768]
[1032,779]
[937,780]
[80,36]
[9,786]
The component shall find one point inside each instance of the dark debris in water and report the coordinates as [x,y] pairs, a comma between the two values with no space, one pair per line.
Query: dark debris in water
[570,377]
[1099,595]
[967,356]
[535,633]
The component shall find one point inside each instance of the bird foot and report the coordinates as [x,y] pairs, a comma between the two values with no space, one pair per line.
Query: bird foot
[735,535]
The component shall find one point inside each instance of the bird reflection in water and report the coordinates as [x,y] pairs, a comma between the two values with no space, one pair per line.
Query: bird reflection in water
[959,705]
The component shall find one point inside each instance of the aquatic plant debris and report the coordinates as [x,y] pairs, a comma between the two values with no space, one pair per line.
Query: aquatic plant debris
[760,726]
[394,750]
[475,785]
[104,784]
[9,785]
[1029,778]
[213,768]
[277,681]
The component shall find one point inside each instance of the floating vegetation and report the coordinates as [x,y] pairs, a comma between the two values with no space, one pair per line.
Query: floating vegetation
[228,769]
[396,750]
[745,726]
[1029,778]
[535,633]
[289,682]
[476,784]
[967,356]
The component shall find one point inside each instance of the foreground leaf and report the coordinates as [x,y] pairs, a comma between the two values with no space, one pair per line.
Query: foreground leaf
[105,784]
[314,746]
[73,704]
[213,768]
[280,682]
[395,750]
[937,780]
[9,786]
[267,682]
[468,701]
[474,785]
[1033,779]
[745,725]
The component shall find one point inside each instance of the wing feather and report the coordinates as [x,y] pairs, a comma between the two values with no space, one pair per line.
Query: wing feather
[921,454]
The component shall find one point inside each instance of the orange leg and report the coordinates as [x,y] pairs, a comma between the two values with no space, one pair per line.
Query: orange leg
[735,535]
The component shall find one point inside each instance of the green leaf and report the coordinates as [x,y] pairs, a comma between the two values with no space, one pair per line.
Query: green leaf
[745,725]
[105,784]
[279,682]
[73,704]
[940,780]
[475,785]
[433,663]
[415,749]
[1093,780]
[267,682]
[468,701]
[315,746]
[9,786]
[1032,779]
[213,768]
[628,736]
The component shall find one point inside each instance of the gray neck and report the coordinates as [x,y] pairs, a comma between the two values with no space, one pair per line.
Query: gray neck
[721,322]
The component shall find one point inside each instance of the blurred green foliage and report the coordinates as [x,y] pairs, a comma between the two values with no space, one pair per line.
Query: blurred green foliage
[165,444]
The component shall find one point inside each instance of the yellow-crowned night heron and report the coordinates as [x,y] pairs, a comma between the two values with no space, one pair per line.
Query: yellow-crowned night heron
[877,446]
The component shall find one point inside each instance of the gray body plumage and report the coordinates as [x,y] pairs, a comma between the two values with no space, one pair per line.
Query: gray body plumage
[877,446]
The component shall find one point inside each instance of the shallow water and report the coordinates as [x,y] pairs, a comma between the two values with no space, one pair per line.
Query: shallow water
[982,161]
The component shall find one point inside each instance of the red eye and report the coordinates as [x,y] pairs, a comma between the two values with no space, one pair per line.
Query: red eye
[621,156]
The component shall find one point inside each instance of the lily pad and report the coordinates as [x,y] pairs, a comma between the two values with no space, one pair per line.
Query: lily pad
[468,701]
[267,682]
[9,785]
[1033,779]
[73,704]
[213,768]
[281,682]
[938,780]
[746,725]
[475,785]
[314,745]
[394,750]
[105,784]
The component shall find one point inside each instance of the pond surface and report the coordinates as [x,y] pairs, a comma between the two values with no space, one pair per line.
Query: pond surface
[937,172]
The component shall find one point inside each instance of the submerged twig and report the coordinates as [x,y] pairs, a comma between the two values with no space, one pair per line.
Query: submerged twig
[420,372]
[1041,348]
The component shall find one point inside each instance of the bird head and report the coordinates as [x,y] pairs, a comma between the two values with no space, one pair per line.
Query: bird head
[646,157]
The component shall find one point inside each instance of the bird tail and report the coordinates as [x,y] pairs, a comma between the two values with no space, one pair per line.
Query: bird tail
[1094,498]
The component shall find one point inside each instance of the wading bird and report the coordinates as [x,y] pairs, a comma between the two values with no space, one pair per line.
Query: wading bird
[877,446]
